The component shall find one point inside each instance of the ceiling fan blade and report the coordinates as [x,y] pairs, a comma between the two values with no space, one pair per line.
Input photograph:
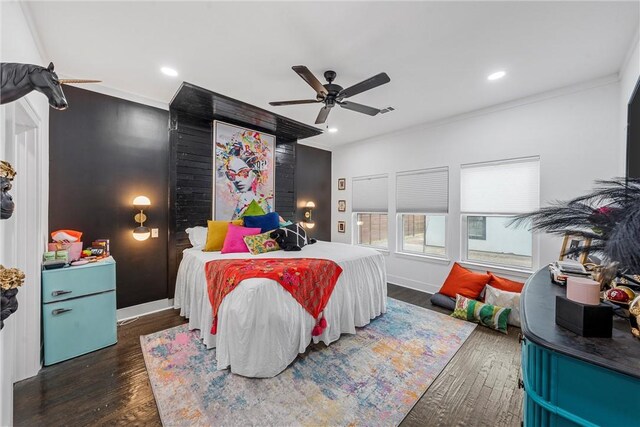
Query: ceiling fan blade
[359,108]
[370,83]
[322,116]
[296,102]
[308,77]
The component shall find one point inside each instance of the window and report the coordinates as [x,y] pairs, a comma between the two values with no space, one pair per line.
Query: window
[424,234]
[373,230]
[491,194]
[422,203]
[370,206]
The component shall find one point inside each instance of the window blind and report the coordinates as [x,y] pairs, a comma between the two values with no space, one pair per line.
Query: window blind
[423,191]
[507,187]
[370,194]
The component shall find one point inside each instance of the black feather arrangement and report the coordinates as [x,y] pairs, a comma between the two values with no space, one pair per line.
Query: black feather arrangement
[609,216]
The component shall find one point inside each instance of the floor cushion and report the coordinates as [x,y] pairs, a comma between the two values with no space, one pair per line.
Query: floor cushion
[443,301]
[504,284]
[464,282]
[506,299]
[488,315]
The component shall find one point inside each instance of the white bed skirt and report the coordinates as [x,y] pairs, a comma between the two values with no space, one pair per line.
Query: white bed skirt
[261,327]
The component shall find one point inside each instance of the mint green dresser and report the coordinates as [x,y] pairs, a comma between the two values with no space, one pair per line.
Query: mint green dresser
[78,310]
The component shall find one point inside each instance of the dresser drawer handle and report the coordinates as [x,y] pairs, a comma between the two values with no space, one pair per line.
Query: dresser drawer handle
[59,311]
[58,293]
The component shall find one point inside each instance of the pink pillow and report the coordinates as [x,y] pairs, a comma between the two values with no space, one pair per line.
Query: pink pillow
[234,241]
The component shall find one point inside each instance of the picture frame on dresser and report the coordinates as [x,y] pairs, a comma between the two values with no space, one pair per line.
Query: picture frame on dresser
[572,243]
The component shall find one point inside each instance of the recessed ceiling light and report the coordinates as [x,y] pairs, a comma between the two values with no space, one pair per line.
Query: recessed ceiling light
[497,75]
[332,130]
[169,71]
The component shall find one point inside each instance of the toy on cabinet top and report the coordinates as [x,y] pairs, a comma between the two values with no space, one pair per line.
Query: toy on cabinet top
[20,79]
[6,201]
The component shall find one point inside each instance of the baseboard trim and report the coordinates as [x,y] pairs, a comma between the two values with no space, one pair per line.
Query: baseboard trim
[416,285]
[143,309]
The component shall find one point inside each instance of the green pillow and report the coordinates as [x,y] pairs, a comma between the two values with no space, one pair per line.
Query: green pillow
[261,243]
[253,209]
[486,314]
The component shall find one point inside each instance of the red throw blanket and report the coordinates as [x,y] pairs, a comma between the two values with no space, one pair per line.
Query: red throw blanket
[310,281]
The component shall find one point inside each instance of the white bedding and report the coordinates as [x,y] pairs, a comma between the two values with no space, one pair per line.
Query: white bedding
[261,327]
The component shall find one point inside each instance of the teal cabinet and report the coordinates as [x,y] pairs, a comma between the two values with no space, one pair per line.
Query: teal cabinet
[78,310]
[564,391]
[570,380]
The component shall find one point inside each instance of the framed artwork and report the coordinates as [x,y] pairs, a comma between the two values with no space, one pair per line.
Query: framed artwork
[244,165]
[342,227]
[342,183]
[571,243]
[342,205]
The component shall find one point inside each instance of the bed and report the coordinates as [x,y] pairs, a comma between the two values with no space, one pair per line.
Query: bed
[261,328]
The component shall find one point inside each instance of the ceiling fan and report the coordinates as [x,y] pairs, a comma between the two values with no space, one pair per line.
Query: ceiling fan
[331,94]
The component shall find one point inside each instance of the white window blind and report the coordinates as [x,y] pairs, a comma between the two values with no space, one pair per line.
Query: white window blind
[423,191]
[370,194]
[505,187]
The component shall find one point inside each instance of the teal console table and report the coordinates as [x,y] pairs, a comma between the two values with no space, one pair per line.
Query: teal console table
[571,380]
[78,310]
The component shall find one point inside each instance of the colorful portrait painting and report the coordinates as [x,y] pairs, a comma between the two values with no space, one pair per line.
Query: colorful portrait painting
[244,170]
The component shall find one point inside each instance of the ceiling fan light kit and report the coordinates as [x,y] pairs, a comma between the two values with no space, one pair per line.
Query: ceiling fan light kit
[331,94]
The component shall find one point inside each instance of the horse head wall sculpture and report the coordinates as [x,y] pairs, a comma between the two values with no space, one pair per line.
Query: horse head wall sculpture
[20,79]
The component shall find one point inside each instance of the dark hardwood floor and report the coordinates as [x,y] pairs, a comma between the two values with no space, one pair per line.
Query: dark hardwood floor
[111,387]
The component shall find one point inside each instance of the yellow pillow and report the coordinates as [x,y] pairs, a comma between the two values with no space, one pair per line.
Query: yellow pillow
[216,232]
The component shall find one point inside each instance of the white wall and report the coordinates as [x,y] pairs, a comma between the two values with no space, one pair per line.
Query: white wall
[20,338]
[573,130]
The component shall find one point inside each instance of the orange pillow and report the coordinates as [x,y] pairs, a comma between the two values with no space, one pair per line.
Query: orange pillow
[464,282]
[504,284]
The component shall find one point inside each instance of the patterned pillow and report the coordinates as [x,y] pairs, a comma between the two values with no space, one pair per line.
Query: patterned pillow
[261,243]
[506,299]
[292,237]
[486,314]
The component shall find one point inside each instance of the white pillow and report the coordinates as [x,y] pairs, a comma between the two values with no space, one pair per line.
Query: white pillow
[505,299]
[197,236]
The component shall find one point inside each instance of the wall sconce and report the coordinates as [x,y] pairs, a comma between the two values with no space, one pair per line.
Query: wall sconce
[308,210]
[141,233]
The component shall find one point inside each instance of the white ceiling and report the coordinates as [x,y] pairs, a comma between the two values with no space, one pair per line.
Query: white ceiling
[437,54]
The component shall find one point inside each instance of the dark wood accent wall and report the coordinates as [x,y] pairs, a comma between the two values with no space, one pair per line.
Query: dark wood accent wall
[313,183]
[190,183]
[104,151]
[193,110]
[286,179]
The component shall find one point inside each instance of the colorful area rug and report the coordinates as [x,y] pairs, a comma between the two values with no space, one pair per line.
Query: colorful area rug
[371,378]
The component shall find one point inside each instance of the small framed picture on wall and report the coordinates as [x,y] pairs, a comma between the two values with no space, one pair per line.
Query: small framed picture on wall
[342,205]
[342,226]
[342,183]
